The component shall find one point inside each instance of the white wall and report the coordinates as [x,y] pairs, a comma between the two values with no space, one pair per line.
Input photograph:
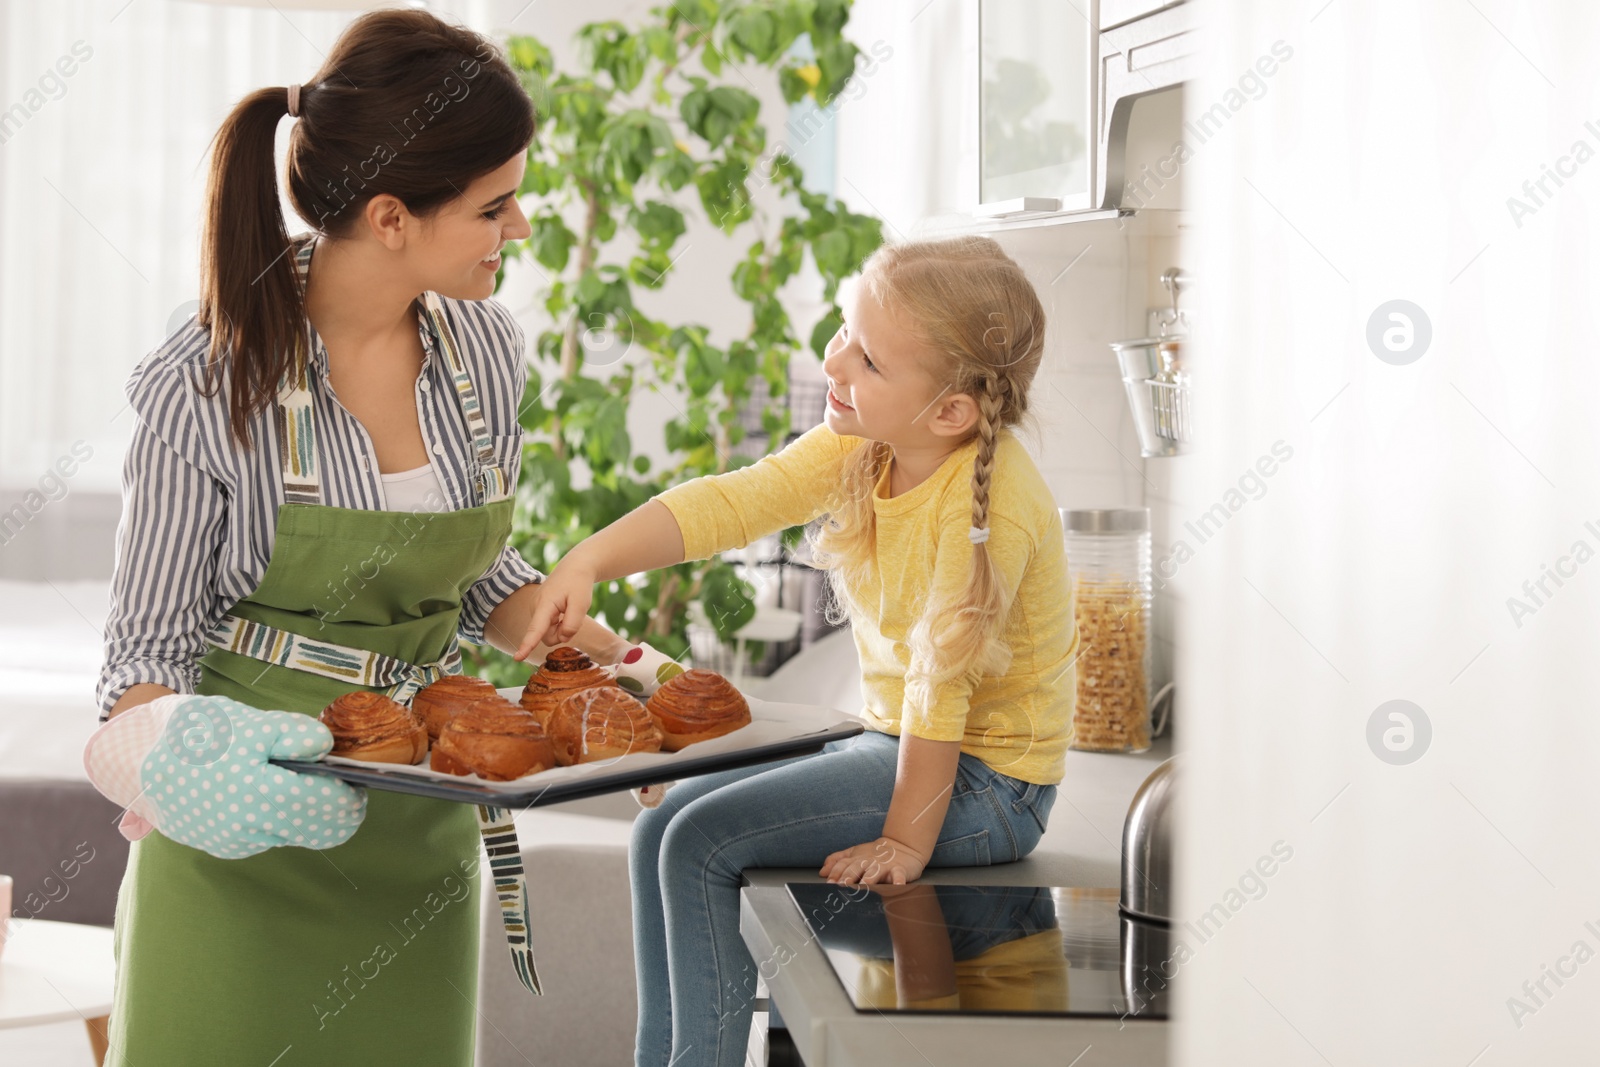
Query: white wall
[1419,897]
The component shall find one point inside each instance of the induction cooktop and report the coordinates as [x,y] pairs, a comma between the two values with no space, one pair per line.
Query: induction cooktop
[989,950]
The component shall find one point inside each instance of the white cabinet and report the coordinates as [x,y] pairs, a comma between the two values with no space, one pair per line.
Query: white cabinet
[1037,135]
[1149,54]
[1116,12]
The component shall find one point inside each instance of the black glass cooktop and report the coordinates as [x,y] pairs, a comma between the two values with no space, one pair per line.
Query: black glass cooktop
[989,950]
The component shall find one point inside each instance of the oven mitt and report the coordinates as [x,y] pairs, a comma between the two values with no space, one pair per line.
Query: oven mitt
[195,768]
[643,670]
[651,796]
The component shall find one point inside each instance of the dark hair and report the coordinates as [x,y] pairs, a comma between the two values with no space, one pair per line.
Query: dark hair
[405,104]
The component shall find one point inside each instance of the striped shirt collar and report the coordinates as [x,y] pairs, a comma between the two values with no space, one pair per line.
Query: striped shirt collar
[303,246]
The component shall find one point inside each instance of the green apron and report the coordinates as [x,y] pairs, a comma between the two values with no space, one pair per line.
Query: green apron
[361,954]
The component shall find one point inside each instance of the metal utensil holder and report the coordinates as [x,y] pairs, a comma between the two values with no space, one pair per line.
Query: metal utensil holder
[1158,390]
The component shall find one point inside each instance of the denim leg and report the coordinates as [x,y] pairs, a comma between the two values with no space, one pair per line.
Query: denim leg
[792,816]
[694,968]
[653,1042]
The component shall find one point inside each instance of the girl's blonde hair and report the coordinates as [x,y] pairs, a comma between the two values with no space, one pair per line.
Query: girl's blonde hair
[982,327]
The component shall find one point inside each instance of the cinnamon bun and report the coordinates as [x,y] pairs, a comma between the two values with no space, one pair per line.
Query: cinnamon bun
[565,671]
[696,705]
[494,739]
[369,726]
[442,701]
[601,723]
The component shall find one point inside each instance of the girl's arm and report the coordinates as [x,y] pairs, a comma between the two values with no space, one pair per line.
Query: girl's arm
[645,539]
[930,746]
[693,520]
[510,619]
[923,781]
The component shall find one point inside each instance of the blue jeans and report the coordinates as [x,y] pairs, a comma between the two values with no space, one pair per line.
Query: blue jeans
[697,981]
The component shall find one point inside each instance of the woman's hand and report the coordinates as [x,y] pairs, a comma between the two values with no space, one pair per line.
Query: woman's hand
[883,860]
[196,768]
[564,598]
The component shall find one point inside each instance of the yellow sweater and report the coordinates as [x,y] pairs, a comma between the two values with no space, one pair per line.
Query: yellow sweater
[1018,723]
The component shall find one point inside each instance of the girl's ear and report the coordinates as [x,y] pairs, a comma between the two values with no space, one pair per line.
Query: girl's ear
[955,416]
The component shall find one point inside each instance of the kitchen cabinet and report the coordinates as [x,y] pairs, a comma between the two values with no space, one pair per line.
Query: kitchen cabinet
[1035,106]
[1056,83]
[1117,12]
[1149,54]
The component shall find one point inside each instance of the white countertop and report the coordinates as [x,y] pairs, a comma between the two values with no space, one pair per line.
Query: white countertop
[1081,847]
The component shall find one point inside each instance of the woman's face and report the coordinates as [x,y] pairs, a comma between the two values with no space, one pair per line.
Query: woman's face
[876,377]
[461,250]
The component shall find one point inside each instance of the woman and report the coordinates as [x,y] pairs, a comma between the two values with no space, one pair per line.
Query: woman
[327,383]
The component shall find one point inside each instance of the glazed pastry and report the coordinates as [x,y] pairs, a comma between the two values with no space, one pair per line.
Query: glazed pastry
[494,739]
[442,701]
[565,671]
[601,723]
[697,705]
[369,726]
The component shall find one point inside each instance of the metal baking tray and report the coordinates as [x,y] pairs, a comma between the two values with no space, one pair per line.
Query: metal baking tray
[777,731]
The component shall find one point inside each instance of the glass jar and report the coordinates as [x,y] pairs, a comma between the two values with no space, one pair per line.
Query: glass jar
[1108,558]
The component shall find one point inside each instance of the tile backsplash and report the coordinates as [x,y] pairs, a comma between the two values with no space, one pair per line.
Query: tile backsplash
[1098,280]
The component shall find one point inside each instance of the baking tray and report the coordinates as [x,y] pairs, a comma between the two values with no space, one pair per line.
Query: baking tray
[776,731]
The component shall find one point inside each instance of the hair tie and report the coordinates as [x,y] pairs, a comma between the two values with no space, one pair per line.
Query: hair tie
[977,535]
[294,99]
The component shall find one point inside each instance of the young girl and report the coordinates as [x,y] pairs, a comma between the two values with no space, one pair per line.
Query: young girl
[316,500]
[945,549]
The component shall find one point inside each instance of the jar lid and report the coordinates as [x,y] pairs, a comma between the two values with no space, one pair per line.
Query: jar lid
[1106,520]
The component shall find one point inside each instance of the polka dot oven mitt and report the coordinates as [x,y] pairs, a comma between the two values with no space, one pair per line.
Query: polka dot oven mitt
[643,670]
[202,777]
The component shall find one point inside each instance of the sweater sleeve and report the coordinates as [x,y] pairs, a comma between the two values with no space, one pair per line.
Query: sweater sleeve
[1011,547]
[719,512]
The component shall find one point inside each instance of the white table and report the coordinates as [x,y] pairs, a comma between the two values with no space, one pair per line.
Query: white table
[56,972]
[828,1031]
[1081,848]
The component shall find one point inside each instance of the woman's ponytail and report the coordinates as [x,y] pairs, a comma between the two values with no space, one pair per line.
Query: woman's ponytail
[250,297]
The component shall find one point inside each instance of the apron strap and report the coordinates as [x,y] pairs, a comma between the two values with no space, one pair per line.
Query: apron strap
[297,427]
[341,662]
[296,419]
[511,890]
[492,482]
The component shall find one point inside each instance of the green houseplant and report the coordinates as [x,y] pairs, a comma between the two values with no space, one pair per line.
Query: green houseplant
[653,122]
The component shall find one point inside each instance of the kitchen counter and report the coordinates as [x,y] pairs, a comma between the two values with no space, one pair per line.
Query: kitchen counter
[1081,847]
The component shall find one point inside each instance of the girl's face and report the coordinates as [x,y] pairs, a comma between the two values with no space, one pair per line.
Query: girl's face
[461,250]
[878,385]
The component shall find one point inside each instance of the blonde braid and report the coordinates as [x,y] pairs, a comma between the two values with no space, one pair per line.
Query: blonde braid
[980,327]
[991,403]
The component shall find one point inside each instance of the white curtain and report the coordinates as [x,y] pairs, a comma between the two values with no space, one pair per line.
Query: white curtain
[1418,897]
[102,173]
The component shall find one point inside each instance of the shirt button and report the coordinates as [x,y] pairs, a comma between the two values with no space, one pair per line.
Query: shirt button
[426,385]
[438,449]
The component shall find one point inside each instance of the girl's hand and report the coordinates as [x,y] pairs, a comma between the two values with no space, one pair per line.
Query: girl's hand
[564,598]
[883,860]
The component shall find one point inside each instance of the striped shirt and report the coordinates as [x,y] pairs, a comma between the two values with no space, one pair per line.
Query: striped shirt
[198,517]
